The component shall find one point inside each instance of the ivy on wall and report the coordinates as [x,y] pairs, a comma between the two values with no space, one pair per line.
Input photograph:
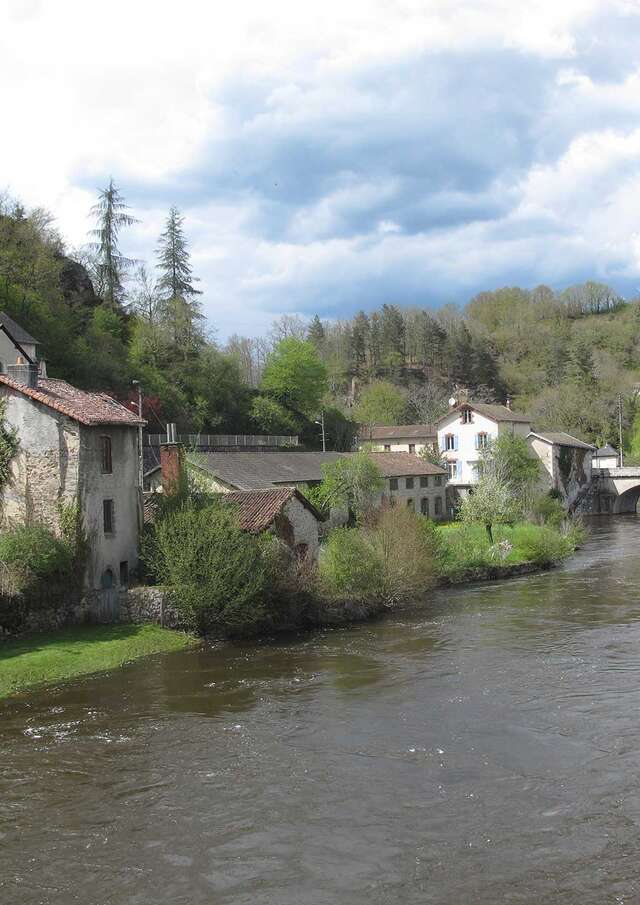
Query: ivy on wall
[9,444]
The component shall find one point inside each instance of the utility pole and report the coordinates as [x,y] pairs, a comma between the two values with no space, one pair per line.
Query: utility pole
[620,454]
[140,450]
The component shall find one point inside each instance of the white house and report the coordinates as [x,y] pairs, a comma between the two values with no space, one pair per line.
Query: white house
[15,344]
[605,457]
[566,463]
[467,429]
[410,438]
[74,445]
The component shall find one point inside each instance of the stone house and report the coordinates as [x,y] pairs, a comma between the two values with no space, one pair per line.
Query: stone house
[408,479]
[284,512]
[410,438]
[74,445]
[566,464]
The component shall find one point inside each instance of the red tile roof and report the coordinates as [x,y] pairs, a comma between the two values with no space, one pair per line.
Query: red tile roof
[257,509]
[398,464]
[87,408]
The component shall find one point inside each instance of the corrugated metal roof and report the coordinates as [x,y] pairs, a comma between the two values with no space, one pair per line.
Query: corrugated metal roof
[256,470]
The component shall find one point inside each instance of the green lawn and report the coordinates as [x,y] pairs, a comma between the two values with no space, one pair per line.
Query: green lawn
[73,652]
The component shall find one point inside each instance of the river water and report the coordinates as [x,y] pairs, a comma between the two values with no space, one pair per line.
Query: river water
[482,749]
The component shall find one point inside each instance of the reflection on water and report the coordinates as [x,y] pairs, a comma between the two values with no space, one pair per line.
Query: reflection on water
[482,749]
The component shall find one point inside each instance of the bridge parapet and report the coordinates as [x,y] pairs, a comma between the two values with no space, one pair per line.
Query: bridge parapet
[627,471]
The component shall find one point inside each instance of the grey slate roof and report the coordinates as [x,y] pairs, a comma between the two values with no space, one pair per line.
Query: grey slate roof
[607,450]
[256,470]
[560,438]
[399,432]
[17,332]
[490,410]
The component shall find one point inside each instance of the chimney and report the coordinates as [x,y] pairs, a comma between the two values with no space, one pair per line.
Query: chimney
[171,462]
[508,402]
[23,372]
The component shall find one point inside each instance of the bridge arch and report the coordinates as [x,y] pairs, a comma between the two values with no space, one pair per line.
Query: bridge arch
[627,501]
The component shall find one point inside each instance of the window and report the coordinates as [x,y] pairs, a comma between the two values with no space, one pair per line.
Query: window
[437,480]
[450,441]
[107,516]
[482,440]
[467,416]
[387,447]
[424,481]
[452,468]
[105,448]
[424,505]
[438,505]
[408,483]
[124,574]
[478,469]
[393,483]
[411,504]
[412,447]
[106,581]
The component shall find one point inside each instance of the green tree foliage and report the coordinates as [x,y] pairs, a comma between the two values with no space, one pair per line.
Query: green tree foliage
[215,571]
[381,403]
[181,310]
[491,502]
[110,214]
[33,556]
[351,483]
[349,567]
[295,376]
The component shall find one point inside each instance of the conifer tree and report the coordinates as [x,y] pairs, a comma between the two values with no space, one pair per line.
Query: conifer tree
[110,213]
[176,283]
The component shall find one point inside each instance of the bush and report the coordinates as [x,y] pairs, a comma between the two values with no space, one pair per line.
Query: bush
[349,567]
[216,571]
[392,558]
[541,544]
[548,510]
[406,552]
[32,554]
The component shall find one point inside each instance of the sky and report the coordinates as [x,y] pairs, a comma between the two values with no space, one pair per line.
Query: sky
[330,157]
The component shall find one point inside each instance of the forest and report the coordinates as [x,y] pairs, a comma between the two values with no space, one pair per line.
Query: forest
[104,320]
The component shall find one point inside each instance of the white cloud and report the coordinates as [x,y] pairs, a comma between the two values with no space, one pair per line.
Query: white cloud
[144,91]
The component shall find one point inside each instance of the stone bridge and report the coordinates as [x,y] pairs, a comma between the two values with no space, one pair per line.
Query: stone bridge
[616,490]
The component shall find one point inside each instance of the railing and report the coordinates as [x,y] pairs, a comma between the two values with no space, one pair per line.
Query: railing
[218,440]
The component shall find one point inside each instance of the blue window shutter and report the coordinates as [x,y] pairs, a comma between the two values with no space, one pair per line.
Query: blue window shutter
[477,441]
[455,441]
[442,442]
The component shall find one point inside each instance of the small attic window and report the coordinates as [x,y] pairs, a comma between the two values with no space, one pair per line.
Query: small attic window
[467,416]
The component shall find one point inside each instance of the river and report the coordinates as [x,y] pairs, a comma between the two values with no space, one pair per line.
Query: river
[482,749]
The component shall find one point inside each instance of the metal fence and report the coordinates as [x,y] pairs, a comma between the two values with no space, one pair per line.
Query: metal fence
[208,441]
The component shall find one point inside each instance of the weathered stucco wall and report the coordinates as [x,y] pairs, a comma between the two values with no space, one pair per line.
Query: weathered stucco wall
[109,550]
[45,469]
[304,525]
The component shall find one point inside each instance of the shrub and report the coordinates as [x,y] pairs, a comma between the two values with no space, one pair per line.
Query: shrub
[541,544]
[215,570]
[548,510]
[349,567]
[32,554]
[405,550]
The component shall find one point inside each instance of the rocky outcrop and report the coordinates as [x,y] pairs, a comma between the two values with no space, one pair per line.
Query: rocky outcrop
[76,284]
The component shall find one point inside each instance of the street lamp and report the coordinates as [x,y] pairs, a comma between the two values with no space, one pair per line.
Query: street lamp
[321,423]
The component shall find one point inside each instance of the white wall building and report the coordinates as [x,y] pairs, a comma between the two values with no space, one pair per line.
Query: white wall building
[468,428]
[606,457]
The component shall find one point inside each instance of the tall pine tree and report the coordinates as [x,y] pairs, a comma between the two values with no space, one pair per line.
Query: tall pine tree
[176,283]
[110,213]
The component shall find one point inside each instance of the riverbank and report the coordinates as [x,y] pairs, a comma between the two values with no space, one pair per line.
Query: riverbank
[67,654]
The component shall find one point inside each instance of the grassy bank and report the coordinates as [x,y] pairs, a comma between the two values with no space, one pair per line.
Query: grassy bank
[47,658]
[464,551]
